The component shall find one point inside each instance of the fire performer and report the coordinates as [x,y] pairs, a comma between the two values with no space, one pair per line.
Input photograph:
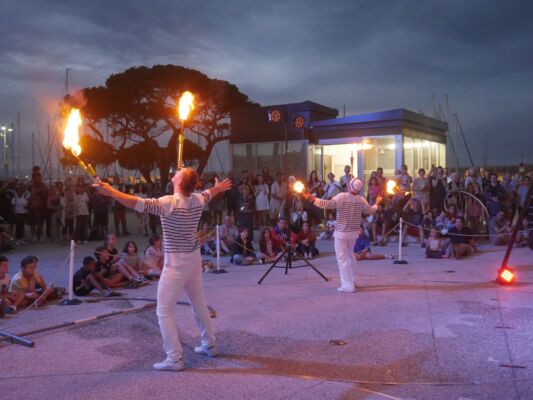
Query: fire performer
[350,206]
[180,214]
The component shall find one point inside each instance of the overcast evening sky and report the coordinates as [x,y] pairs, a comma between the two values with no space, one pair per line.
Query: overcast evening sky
[366,55]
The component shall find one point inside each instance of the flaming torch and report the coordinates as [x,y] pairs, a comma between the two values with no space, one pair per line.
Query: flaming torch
[298,187]
[391,185]
[185,106]
[71,141]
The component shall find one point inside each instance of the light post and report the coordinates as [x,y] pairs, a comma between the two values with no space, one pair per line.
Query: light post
[4,131]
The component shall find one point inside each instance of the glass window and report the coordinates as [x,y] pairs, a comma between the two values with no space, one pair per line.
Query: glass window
[297,159]
[243,157]
[380,152]
[270,155]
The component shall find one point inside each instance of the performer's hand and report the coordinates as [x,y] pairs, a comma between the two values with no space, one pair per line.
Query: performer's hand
[379,199]
[308,196]
[224,185]
[103,187]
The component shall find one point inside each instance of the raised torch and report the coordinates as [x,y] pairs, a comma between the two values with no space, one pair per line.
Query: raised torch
[71,141]
[185,106]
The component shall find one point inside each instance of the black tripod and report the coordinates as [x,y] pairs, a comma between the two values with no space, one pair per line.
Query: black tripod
[289,252]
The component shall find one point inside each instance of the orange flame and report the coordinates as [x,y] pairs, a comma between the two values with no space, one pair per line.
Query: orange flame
[298,187]
[186,105]
[391,186]
[71,138]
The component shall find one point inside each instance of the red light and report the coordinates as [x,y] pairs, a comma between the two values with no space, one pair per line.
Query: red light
[506,276]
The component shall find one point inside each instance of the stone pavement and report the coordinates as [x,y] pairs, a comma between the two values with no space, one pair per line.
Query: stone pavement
[437,329]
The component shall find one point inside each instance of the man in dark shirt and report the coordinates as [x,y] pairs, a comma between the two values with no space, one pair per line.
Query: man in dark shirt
[85,280]
[460,242]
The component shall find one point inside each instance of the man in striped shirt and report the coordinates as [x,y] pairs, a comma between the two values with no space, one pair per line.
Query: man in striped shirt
[180,214]
[350,207]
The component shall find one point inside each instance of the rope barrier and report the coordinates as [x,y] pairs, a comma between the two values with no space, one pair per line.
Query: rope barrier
[461,234]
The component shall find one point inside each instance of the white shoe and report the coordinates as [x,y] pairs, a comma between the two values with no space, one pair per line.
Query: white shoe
[210,351]
[345,290]
[168,365]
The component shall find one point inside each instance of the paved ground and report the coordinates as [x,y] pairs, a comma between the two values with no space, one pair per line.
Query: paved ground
[426,330]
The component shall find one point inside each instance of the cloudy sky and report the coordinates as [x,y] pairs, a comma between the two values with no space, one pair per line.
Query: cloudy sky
[364,55]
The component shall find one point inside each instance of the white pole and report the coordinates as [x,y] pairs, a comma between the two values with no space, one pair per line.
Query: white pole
[218,248]
[400,240]
[71,271]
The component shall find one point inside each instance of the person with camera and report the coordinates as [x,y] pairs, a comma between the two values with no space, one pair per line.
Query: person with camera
[350,207]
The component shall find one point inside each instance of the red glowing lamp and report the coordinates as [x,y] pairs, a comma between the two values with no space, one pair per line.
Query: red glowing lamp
[506,276]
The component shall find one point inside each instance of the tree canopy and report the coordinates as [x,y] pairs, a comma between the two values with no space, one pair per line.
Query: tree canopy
[135,113]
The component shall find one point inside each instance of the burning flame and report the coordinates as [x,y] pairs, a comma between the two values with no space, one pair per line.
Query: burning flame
[298,187]
[71,139]
[391,185]
[186,105]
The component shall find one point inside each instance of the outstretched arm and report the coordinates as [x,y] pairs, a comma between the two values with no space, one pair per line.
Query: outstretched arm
[219,187]
[107,190]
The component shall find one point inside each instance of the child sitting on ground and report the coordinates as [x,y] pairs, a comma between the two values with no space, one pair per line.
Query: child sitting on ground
[25,282]
[8,301]
[362,247]
[153,257]
[329,229]
[106,270]
[86,279]
[130,266]
[206,241]
[435,245]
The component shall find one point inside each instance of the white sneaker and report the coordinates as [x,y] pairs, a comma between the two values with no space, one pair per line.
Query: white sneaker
[345,290]
[210,351]
[168,365]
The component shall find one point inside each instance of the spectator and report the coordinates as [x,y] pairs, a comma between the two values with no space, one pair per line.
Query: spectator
[522,234]
[306,243]
[435,245]
[494,195]
[81,207]
[110,243]
[329,228]
[24,283]
[153,257]
[243,250]
[228,232]
[246,209]
[232,197]
[119,214]
[380,225]
[437,189]
[206,241]
[266,177]
[262,205]
[522,192]
[332,188]
[345,179]
[216,204]
[108,271]
[270,250]
[53,207]
[461,242]
[421,189]
[130,264]
[413,211]
[100,205]
[316,188]
[298,218]
[20,204]
[86,279]
[404,180]
[374,190]
[142,217]
[499,229]
[37,207]
[8,301]
[362,247]
[282,235]
[69,211]
[509,202]
[278,194]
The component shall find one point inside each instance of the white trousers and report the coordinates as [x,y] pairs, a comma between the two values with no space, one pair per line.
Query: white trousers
[186,273]
[345,261]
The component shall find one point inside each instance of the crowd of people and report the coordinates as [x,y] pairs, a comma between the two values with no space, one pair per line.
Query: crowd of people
[73,210]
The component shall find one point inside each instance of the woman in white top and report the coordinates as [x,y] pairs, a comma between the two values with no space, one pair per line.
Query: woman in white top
[262,206]
[20,201]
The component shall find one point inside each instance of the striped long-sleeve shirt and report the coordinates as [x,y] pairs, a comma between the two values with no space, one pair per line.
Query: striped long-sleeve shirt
[179,220]
[349,208]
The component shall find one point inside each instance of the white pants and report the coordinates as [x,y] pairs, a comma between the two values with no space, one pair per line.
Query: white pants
[187,274]
[345,261]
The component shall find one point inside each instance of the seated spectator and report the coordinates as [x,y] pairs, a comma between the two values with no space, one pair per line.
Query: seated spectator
[499,229]
[8,301]
[298,217]
[41,283]
[362,246]
[306,243]
[270,249]
[110,243]
[329,228]
[442,222]
[130,266]
[228,232]
[460,242]
[24,283]
[153,257]
[206,240]
[522,235]
[243,249]
[86,279]
[413,210]
[106,270]
[380,224]
[435,245]
[282,235]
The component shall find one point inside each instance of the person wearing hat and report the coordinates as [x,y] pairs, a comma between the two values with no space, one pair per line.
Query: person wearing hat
[350,207]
